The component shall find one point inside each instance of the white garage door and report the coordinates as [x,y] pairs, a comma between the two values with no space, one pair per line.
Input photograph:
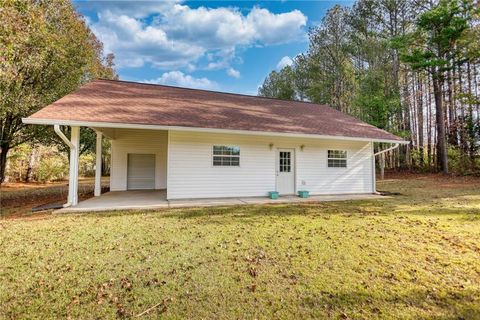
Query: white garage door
[141,171]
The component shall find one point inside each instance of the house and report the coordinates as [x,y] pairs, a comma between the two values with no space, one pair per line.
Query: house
[205,144]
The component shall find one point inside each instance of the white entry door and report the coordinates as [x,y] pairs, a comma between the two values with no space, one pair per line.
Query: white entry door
[141,171]
[286,171]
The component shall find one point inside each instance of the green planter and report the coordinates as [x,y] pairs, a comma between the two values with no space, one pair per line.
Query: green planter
[273,195]
[303,194]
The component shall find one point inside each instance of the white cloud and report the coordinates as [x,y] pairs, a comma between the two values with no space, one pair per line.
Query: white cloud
[221,59]
[136,9]
[233,73]
[171,35]
[136,44]
[273,28]
[217,65]
[178,78]
[191,67]
[228,27]
[285,61]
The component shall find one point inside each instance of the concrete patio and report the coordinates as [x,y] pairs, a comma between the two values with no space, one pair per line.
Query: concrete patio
[156,199]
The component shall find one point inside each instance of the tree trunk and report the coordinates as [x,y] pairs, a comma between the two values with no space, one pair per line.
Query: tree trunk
[402,151]
[3,161]
[420,120]
[442,157]
[105,166]
[414,122]
[382,166]
[429,123]
[5,143]
[452,132]
[31,164]
[471,122]
[477,92]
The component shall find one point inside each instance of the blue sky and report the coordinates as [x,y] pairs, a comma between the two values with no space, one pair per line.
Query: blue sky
[217,45]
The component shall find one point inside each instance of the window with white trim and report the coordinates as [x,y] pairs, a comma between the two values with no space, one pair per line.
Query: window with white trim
[226,156]
[285,164]
[337,158]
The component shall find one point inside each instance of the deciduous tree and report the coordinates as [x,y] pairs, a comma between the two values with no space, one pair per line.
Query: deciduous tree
[46,51]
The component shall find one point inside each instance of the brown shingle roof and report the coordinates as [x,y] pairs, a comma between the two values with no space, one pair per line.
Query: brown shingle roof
[146,104]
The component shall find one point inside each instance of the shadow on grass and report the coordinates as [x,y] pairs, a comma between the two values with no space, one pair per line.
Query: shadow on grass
[356,208]
[453,305]
[422,199]
[281,209]
[237,211]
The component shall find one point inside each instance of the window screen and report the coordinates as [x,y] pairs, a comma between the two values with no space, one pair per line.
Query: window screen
[337,159]
[226,156]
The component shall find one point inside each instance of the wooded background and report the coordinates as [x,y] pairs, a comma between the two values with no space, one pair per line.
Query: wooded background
[409,67]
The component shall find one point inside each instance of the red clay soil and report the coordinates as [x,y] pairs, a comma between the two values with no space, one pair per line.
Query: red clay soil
[22,208]
[18,199]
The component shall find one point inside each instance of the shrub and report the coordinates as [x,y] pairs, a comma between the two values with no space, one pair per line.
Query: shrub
[87,165]
[51,168]
[18,161]
[461,164]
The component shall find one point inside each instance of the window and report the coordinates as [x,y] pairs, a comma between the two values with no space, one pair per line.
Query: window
[337,159]
[226,156]
[285,164]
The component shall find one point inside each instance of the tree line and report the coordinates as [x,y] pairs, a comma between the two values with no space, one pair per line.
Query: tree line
[46,51]
[411,67]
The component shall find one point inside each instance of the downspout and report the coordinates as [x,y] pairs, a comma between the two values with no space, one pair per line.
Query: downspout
[59,132]
[373,163]
[386,150]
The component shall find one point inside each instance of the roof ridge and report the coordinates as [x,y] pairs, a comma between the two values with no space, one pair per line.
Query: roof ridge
[215,91]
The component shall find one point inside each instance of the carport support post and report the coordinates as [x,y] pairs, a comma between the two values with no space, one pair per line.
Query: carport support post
[73,176]
[98,165]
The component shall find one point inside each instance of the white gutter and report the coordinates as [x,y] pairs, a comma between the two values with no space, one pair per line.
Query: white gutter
[374,176]
[196,129]
[59,132]
[386,150]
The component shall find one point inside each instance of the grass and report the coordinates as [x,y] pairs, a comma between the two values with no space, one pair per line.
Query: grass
[412,256]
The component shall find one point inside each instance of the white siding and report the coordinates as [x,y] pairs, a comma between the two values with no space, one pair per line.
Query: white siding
[138,141]
[192,175]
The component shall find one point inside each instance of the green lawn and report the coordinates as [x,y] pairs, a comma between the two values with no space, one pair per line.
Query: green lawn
[414,255]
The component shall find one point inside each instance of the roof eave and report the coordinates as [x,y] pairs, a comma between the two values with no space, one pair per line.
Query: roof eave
[116,125]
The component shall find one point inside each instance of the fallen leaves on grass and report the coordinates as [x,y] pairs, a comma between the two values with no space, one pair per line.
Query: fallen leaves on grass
[162,305]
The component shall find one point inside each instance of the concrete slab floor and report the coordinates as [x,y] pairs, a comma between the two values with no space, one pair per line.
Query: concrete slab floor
[122,200]
[156,199]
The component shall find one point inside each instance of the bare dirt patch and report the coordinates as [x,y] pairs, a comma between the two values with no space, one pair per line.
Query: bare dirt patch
[18,199]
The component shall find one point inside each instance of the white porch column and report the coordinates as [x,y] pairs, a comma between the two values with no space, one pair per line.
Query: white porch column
[98,165]
[73,176]
[374,173]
